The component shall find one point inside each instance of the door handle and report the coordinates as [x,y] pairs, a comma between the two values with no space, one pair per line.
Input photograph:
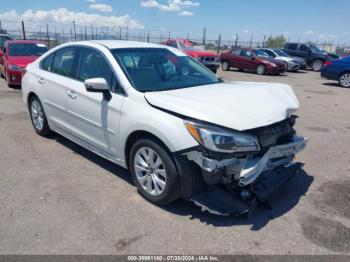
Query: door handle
[41,81]
[72,94]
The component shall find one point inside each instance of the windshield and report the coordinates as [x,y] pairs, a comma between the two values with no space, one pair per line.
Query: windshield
[190,48]
[159,69]
[27,49]
[260,53]
[316,49]
[280,52]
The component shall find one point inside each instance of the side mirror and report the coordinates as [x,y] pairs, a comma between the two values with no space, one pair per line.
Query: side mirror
[98,85]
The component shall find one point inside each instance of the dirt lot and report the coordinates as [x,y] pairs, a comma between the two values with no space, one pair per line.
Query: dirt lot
[57,198]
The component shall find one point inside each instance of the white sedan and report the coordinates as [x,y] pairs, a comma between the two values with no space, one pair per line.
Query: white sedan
[178,128]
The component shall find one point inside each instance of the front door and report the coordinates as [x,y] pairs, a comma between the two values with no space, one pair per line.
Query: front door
[94,119]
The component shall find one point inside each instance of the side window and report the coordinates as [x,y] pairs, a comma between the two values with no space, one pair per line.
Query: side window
[173,44]
[237,52]
[246,53]
[93,65]
[63,63]
[46,64]
[304,48]
[269,52]
[292,46]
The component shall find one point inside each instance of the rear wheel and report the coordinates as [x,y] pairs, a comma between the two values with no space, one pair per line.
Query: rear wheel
[38,117]
[317,65]
[154,172]
[225,66]
[261,69]
[344,80]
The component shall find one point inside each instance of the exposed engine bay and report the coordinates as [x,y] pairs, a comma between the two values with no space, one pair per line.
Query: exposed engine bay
[250,176]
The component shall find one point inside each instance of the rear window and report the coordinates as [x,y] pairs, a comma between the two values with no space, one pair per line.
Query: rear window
[46,64]
[4,38]
[292,46]
[27,49]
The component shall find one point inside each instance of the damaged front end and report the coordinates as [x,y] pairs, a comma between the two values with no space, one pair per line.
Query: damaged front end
[235,182]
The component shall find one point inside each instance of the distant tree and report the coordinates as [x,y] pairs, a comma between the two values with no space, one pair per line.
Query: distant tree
[276,42]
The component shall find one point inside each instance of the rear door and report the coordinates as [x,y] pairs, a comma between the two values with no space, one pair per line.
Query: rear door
[234,57]
[55,74]
[292,49]
[94,120]
[246,60]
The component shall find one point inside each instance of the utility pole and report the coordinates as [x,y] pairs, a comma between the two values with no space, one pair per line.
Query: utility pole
[75,32]
[71,35]
[204,35]
[251,41]
[236,41]
[85,33]
[147,36]
[169,36]
[120,33]
[23,31]
[263,45]
[219,44]
[47,35]
[0,27]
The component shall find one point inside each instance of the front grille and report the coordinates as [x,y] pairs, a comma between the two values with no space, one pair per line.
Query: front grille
[209,59]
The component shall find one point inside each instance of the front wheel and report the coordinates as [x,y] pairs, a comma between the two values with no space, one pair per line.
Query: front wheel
[344,80]
[317,65]
[38,117]
[154,172]
[225,66]
[261,70]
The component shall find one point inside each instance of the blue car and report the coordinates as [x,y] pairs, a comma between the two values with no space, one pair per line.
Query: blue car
[337,69]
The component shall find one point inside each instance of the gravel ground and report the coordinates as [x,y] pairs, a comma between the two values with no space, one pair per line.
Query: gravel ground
[58,198]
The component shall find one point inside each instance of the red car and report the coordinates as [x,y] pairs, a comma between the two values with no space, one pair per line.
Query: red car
[209,59]
[16,55]
[253,60]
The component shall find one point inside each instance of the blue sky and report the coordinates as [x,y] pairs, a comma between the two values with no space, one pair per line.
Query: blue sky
[296,19]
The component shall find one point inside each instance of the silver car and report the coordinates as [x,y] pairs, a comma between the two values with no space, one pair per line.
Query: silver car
[292,63]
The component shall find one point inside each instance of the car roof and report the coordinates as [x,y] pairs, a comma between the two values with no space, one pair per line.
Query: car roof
[23,42]
[116,44]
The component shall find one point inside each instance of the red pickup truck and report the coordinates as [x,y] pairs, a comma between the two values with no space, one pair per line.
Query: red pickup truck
[209,59]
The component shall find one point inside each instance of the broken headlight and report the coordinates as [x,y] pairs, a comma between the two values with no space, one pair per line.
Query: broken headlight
[221,140]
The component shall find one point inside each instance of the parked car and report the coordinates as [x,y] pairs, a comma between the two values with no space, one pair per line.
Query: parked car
[209,59]
[292,63]
[16,55]
[339,70]
[177,127]
[3,39]
[253,60]
[313,56]
[346,54]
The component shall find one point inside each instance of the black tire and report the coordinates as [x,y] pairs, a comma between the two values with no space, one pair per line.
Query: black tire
[225,66]
[317,65]
[240,70]
[45,130]
[260,69]
[172,189]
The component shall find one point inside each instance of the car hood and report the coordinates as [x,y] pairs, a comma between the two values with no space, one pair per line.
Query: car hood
[21,61]
[236,105]
[195,53]
[273,60]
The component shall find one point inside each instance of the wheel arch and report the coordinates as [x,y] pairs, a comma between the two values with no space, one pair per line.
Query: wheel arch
[189,173]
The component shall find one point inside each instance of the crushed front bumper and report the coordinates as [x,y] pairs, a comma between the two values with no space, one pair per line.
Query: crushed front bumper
[246,170]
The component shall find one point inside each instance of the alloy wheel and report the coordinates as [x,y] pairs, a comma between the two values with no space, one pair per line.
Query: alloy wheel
[37,115]
[345,80]
[260,70]
[317,65]
[150,171]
